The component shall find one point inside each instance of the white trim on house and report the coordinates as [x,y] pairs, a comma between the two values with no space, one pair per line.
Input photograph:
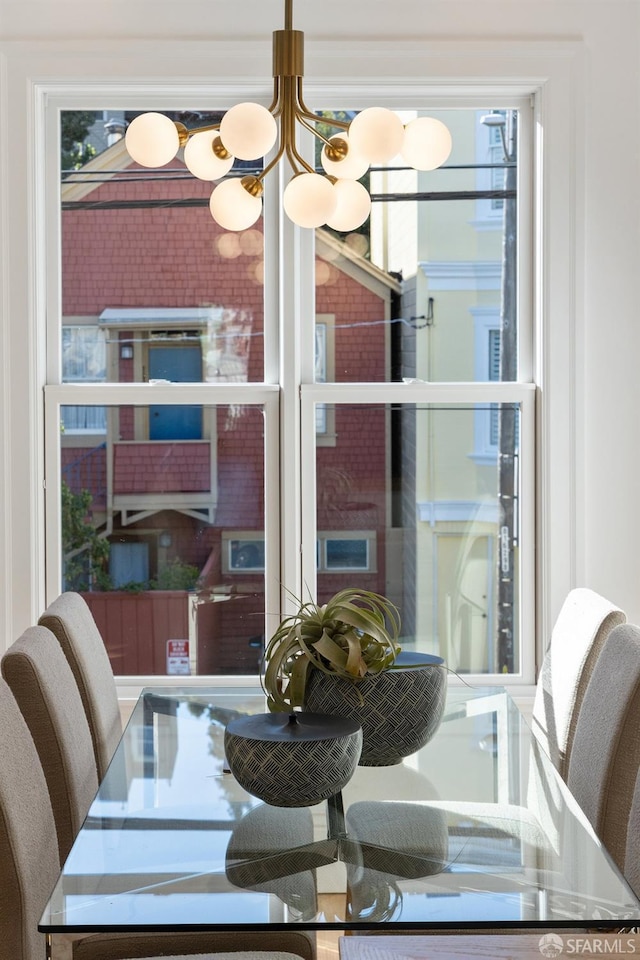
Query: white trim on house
[462,274]
[456,511]
[166,316]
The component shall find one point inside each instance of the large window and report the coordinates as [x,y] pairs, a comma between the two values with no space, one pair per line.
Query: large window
[235,434]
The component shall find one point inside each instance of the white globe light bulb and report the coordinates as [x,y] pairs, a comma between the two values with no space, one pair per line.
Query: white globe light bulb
[351,167]
[233,207]
[427,143]
[201,159]
[152,139]
[354,206]
[377,133]
[248,131]
[309,200]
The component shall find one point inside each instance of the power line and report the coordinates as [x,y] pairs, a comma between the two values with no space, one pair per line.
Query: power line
[180,173]
[422,195]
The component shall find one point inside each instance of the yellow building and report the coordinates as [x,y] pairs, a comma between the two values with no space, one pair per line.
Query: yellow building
[448,245]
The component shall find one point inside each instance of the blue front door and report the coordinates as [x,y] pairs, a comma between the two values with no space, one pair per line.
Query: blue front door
[180,365]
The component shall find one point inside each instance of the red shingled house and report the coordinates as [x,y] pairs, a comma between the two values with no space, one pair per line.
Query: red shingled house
[153,289]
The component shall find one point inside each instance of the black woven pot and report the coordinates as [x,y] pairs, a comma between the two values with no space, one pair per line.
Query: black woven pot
[292,760]
[399,710]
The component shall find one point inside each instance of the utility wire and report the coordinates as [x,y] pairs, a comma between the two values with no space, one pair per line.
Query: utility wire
[204,201]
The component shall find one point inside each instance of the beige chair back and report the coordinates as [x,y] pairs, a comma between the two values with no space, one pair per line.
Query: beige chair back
[606,749]
[29,864]
[71,621]
[240,945]
[43,685]
[43,702]
[227,955]
[631,867]
[582,626]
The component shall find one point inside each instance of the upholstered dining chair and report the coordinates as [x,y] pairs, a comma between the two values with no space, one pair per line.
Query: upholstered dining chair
[605,758]
[631,868]
[42,683]
[71,621]
[30,864]
[93,950]
[580,630]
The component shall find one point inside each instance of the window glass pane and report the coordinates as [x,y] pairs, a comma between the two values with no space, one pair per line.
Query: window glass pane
[150,537]
[83,361]
[415,291]
[349,553]
[243,552]
[445,525]
[144,265]
[83,354]
[84,420]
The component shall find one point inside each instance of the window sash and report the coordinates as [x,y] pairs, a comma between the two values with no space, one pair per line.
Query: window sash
[452,395]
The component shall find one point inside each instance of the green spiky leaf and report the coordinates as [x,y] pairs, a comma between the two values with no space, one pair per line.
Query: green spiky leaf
[354,634]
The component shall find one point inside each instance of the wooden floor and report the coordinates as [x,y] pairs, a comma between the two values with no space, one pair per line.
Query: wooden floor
[327,945]
[327,941]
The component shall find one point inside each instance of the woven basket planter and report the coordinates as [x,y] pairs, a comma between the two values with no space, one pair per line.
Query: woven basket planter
[292,761]
[399,709]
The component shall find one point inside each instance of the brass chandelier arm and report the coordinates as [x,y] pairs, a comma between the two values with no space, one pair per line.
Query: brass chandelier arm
[277,104]
[330,122]
[279,155]
[304,111]
[184,134]
[295,158]
[288,125]
[194,130]
[275,107]
[285,109]
[310,128]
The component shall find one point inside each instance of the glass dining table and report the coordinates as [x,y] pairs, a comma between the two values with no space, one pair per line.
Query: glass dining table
[474,831]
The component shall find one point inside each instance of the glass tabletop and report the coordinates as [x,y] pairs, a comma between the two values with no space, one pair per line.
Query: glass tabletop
[476,829]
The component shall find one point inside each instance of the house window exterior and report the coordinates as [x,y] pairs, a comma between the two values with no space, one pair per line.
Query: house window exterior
[83,361]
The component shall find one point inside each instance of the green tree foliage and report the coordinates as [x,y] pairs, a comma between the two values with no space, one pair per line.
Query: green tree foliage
[74,129]
[176,576]
[84,551]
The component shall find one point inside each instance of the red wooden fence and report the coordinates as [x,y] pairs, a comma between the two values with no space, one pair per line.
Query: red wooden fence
[136,627]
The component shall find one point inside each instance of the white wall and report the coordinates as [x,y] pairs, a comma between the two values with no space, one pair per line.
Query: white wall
[601,248]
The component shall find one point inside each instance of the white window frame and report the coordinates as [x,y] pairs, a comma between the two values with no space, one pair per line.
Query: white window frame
[36,77]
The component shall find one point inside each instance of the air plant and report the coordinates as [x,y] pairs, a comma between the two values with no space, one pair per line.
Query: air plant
[352,635]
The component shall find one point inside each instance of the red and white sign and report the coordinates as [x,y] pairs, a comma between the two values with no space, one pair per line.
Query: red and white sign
[178,657]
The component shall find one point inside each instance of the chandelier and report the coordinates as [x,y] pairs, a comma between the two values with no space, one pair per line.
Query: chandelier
[249,131]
